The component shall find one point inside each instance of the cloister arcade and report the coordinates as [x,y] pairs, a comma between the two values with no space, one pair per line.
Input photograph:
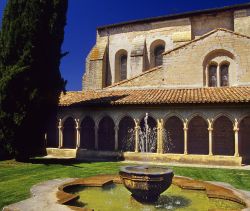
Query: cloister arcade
[221,135]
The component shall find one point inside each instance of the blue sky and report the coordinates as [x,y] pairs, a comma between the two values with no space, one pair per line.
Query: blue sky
[85,15]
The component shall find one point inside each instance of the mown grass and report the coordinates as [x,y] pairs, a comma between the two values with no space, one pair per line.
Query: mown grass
[16,178]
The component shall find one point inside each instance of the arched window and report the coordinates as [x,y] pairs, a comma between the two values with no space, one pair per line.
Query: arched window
[126,135]
[69,133]
[224,75]
[121,60]
[148,143]
[174,136]
[198,136]
[87,133]
[212,75]
[106,134]
[123,67]
[223,136]
[158,51]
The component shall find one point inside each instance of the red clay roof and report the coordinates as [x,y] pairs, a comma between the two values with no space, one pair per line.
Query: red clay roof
[158,96]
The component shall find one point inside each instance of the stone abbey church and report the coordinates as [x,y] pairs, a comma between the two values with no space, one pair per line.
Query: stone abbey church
[190,72]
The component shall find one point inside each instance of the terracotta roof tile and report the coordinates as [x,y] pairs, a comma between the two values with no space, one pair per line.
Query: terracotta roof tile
[157,96]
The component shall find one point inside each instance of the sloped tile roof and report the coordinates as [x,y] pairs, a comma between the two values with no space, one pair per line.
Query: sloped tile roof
[158,96]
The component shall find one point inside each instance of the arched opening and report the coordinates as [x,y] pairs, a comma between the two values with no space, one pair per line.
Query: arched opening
[69,133]
[224,80]
[157,48]
[87,133]
[121,60]
[106,134]
[126,141]
[198,140]
[244,139]
[52,133]
[212,75]
[223,136]
[222,57]
[174,136]
[148,143]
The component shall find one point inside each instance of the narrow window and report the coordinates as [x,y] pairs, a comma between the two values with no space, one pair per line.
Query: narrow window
[159,50]
[212,76]
[123,67]
[224,75]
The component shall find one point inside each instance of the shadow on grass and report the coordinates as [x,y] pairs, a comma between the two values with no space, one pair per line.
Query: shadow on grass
[67,162]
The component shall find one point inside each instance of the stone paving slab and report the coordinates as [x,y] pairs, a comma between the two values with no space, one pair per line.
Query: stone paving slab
[43,198]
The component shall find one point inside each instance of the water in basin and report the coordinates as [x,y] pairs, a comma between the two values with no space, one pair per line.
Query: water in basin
[117,197]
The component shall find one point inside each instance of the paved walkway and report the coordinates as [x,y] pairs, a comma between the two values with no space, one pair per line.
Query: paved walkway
[43,198]
[246,167]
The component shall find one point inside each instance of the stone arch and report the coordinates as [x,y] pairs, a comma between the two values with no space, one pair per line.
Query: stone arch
[120,117]
[212,57]
[174,135]
[66,117]
[244,139]
[153,47]
[106,134]
[87,133]
[153,135]
[121,67]
[198,139]
[223,136]
[69,133]
[225,115]
[126,141]
[190,117]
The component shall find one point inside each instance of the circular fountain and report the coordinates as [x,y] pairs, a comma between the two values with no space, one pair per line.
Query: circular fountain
[146,183]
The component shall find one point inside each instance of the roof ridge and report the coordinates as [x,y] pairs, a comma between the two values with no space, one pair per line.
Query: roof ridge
[204,36]
[143,73]
[178,15]
[173,88]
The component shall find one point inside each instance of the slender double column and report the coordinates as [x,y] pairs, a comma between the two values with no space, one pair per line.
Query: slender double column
[137,129]
[185,128]
[96,137]
[160,124]
[116,137]
[78,133]
[60,133]
[210,136]
[236,138]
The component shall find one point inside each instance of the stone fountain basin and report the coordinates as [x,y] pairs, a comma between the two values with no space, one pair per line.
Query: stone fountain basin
[146,183]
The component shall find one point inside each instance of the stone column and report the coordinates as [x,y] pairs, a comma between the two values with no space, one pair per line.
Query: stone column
[116,137]
[236,138]
[218,76]
[96,137]
[185,128]
[60,133]
[210,133]
[207,76]
[78,133]
[137,128]
[160,136]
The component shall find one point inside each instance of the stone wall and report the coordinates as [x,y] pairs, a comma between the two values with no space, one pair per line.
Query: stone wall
[137,40]
[242,21]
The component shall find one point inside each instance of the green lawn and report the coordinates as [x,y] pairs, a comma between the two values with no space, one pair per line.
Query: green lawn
[16,178]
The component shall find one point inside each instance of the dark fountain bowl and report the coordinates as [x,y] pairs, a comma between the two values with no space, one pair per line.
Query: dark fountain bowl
[146,183]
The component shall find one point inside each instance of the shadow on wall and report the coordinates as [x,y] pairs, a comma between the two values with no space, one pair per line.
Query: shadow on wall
[98,156]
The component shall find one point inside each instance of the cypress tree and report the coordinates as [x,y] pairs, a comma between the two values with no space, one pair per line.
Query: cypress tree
[30,81]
